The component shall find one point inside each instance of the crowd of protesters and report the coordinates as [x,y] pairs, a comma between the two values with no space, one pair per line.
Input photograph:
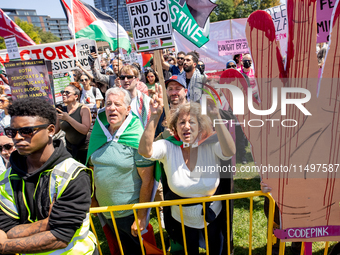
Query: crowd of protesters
[114,123]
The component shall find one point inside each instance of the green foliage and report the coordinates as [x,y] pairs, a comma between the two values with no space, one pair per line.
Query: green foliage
[2,43]
[36,33]
[29,30]
[235,9]
[46,37]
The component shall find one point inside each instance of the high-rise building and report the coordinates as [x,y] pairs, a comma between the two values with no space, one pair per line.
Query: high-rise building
[110,7]
[58,27]
[30,16]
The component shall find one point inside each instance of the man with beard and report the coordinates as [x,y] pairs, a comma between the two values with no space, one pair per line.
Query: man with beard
[194,78]
[172,68]
[104,65]
[116,64]
[176,91]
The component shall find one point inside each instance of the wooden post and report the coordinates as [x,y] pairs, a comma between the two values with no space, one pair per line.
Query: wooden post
[159,69]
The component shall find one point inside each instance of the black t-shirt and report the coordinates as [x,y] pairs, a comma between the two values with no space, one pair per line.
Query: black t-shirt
[68,211]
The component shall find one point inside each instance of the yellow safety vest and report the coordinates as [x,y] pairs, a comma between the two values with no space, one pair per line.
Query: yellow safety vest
[83,241]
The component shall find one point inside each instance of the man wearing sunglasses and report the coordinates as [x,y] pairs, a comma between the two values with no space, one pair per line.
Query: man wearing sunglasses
[129,79]
[112,80]
[174,70]
[45,195]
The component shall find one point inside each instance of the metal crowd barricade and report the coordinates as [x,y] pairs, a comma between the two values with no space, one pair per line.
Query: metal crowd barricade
[182,202]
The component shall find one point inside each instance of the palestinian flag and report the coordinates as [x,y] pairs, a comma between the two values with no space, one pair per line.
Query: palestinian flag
[92,23]
[128,134]
[146,59]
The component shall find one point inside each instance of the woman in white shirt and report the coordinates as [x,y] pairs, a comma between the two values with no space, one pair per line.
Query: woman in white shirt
[90,95]
[188,167]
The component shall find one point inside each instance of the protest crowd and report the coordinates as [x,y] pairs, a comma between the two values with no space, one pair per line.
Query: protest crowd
[117,126]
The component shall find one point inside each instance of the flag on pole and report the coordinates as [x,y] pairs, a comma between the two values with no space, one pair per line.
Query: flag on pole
[146,59]
[195,27]
[92,23]
[9,28]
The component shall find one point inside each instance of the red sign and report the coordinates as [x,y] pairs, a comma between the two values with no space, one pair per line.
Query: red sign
[9,28]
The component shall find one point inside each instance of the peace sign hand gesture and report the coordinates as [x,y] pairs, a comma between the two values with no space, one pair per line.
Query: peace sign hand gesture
[156,102]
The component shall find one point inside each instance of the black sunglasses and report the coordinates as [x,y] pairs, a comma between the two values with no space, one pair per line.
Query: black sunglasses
[231,66]
[82,80]
[180,58]
[24,131]
[6,146]
[65,92]
[129,77]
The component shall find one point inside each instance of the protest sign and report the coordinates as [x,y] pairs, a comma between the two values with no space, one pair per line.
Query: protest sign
[12,48]
[279,17]
[185,24]
[62,54]
[209,52]
[150,21]
[60,81]
[324,10]
[29,79]
[307,197]
[232,47]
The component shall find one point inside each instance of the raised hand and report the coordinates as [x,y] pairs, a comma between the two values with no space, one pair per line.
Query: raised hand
[156,102]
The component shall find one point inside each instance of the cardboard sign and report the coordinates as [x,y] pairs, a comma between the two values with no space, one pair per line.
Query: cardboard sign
[232,47]
[12,48]
[209,52]
[279,17]
[62,54]
[29,79]
[60,81]
[151,25]
[324,11]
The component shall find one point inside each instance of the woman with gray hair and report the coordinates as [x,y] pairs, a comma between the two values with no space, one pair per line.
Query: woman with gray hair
[187,165]
[121,175]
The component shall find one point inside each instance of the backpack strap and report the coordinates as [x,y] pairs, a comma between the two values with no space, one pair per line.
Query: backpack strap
[94,91]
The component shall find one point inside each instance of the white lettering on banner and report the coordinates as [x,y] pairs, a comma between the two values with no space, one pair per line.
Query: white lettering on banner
[62,54]
[308,232]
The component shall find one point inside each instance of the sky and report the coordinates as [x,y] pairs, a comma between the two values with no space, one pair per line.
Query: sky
[51,8]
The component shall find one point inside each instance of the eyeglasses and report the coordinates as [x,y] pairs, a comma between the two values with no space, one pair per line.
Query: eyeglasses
[65,92]
[129,77]
[82,80]
[231,66]
[6,147]
[180,58]
[3,101]
[24,131]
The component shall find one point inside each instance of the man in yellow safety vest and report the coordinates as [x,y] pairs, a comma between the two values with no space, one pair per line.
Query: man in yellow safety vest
[46,195]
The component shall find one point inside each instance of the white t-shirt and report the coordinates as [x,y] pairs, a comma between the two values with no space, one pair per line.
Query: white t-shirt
[199,183]
[87,96]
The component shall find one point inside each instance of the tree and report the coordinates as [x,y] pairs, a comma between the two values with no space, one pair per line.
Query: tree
[235,9]
[29,30]
[46,37]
